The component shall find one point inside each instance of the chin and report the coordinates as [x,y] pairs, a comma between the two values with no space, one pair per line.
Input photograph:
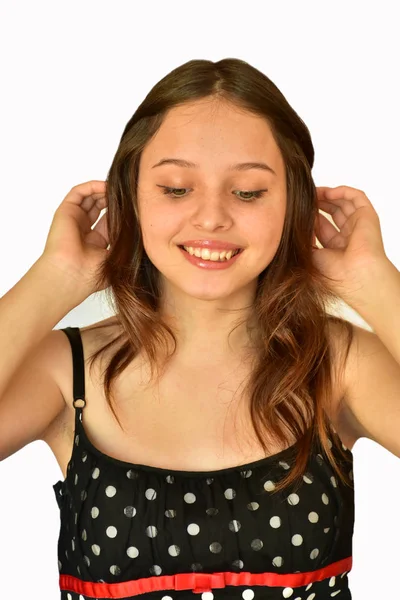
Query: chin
[207,290]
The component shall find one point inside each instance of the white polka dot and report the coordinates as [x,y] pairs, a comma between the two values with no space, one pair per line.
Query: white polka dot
[234,525]
[313,517]
[155,570]
[84,535]
[297,540]
[269,486]
[312,596]
[215,547]
[287,592]
[247,594]
[333,481]
[151,531]
[110,491]
[293,499]
[277,561]
[111,531]
[314,553]
[96,549]
[132,552]
[76,479]
[96,473]
[275,522]
[229,494]
[332,581]
[95,512]
[150,494]
[284,465]
[69,597]
[115,570]
[189,498]
[129,511]
[256,545]
[193,529]
[174,550]
[325,499]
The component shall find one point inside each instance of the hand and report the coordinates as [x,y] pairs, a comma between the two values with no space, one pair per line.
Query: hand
[350,254]
[72,245]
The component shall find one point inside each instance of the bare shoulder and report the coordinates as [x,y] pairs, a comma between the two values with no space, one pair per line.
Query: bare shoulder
[93,337]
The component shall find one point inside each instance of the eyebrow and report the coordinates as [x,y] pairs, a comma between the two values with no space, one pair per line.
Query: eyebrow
[243,166]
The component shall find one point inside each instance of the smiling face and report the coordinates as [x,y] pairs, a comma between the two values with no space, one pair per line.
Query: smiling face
[212,201]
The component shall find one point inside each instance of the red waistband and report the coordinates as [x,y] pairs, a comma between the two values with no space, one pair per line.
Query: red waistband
[199,582]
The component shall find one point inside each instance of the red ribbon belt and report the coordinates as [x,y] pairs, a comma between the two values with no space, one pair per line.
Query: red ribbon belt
[199,582]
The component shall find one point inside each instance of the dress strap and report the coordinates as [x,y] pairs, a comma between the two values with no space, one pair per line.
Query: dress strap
[78,367]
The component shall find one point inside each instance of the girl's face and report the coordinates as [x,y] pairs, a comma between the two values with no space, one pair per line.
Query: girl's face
[212,199]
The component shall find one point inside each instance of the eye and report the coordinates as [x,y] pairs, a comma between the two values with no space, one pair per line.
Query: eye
[255,193]
[169,191]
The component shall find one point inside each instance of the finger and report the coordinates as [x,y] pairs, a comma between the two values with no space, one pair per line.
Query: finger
[343,194]
[93,214]
[338,214]
[334,205]
[327,233]
[78,193]
[99,200]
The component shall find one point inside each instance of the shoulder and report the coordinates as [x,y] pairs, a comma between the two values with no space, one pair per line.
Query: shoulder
[93,337]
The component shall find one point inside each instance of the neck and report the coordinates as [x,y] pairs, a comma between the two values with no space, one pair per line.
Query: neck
[203,327]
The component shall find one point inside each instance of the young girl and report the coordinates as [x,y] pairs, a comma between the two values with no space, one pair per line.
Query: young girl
[202,432]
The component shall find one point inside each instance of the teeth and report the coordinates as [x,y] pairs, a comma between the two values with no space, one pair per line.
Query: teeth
[206,254]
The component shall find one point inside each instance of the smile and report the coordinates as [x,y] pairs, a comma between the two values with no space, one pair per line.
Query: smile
[215,255]
[206,259]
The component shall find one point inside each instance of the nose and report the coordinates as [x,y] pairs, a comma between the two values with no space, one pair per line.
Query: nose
[212,212]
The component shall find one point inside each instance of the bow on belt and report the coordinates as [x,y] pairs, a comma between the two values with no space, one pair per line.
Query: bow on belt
[199,582]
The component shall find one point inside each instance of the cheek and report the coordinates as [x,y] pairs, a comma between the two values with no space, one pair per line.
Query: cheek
[158,227]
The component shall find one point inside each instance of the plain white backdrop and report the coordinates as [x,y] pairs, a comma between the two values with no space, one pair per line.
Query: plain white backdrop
[72,74]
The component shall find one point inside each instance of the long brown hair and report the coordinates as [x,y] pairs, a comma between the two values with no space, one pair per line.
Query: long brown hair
[290,386]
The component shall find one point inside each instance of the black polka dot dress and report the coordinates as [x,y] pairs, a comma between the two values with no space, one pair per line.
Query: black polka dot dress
[132,531]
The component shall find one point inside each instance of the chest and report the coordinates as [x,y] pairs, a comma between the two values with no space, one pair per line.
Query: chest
[193,416]
[197,418]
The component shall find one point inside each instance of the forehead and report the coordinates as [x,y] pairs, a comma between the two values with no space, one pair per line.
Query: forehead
[213,130]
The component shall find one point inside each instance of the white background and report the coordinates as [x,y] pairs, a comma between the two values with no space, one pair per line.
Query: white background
[73,73]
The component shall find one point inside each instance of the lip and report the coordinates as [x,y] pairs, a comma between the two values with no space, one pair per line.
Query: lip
[211,244]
